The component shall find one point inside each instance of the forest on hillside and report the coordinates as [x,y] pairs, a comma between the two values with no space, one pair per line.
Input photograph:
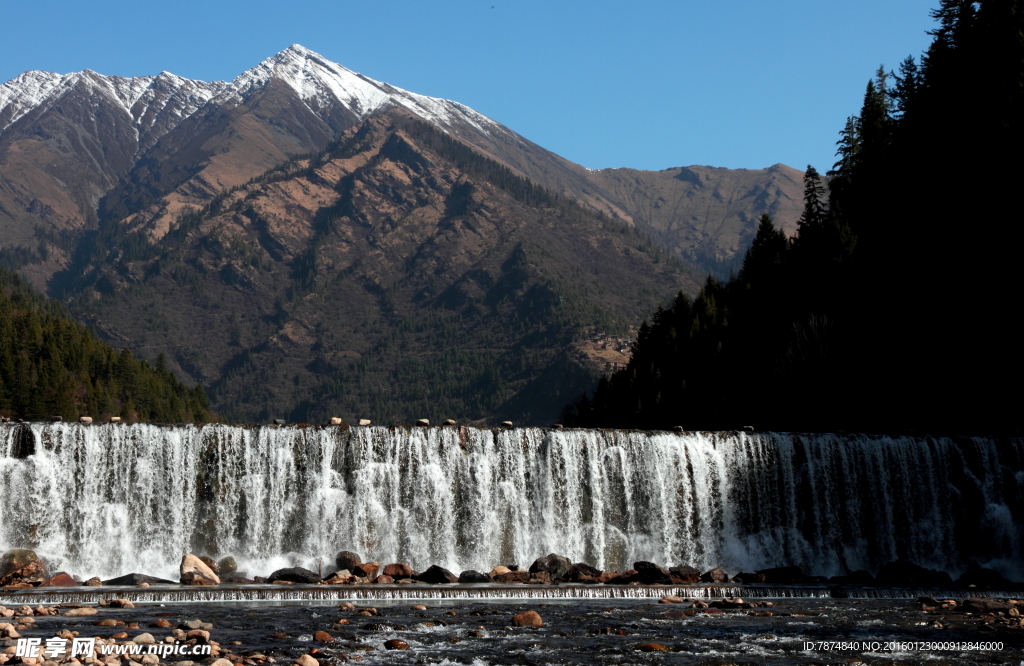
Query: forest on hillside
[51,365]
[893,308]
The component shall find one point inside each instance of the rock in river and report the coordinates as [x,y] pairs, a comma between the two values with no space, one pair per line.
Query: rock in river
[528,619]
[436,574]
[471,576]
[196,572]
[21,566]
[557,566]
[346,559]
[294,575]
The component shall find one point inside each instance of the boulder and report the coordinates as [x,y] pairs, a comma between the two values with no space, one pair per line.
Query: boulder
[450,422]
[582,570]
[85,419]
[294,575]
[399,571]
[684,575]
[195,571]
[226,565]
[512,577]
[747,578]
[60,579]
[304,660]
[716,575]
[366,570]
[423,422]
[396,644]
[346,559]
[237,578]
[498,570]
[384,580]
[783,575]
[471,576]
[365,422]
[983,578]
[334,421]
[21,566]
[343,577]
[649,573]
[136,579]
[540,578]
[322,637]
[506,424]
[436,574]
[908,574]
[212,563]
[528,619]
[624,578]
[556,566]
[93,582]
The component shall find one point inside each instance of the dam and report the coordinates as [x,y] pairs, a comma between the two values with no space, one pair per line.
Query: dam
[109,499]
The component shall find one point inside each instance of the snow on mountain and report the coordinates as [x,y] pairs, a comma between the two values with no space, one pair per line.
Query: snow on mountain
[319,82]
[24,93]
[140,97]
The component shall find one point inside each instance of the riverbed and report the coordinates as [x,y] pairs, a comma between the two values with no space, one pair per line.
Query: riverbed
[578,631]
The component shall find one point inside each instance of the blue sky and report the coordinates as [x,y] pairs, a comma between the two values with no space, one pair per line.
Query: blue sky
[649,85]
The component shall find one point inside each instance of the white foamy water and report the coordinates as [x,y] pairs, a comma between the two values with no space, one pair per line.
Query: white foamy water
[112,499]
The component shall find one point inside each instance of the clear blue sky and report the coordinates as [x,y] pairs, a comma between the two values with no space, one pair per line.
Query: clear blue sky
[649,85]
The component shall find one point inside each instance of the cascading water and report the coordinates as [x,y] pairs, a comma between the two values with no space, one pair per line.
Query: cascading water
[111,499]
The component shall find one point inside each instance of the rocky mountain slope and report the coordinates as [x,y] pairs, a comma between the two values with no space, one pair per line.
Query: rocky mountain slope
[80,150]
[706,216]
[397,275]
[306,241]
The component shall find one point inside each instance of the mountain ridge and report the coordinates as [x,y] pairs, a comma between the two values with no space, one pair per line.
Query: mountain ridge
[80,149]
[397,273]
[306,241]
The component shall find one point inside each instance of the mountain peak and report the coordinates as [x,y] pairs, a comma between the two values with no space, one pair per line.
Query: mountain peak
[322,83]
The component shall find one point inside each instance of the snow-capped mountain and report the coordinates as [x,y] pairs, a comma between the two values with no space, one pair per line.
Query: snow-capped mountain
[143,99]
[319,83]
[81,150]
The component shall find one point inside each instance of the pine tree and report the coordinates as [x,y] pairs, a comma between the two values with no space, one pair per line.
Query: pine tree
[812,219]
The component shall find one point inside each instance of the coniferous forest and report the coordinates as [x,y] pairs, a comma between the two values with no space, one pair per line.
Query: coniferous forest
[895,307]
[51,365]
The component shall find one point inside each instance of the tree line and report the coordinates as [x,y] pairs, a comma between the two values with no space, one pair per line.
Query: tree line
[51,365]
[894,306]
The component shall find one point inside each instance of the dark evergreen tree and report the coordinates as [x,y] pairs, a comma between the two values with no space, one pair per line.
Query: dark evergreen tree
[894,307]
[51,365]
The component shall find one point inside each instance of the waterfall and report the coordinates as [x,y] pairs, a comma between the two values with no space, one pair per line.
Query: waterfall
[112,499]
